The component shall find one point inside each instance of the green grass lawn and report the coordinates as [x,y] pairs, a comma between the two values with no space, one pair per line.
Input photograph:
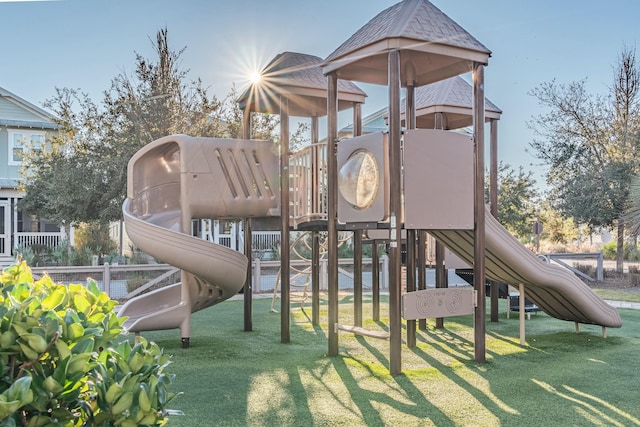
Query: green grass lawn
[234,378]
[615,295]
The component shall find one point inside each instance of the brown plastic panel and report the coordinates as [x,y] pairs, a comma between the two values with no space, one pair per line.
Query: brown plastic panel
[438,180]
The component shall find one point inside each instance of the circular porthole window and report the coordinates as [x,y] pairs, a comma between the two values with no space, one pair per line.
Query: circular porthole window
[359,179]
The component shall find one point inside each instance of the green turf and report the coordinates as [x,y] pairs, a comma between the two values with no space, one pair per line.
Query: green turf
[611,294]
[234,378]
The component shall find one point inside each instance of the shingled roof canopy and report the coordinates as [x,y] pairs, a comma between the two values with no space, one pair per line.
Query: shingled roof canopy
[298,78]
[433,47]
[454,98]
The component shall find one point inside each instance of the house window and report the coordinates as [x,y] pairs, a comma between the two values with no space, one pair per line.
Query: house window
[29,223]
[21,141]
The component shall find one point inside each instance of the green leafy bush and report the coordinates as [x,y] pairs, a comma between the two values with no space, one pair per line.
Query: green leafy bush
[94,237]
[630,253]
[65,361]
[609,250]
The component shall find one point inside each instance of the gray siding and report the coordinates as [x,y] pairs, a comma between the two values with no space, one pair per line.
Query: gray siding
[11,111]
[6,171]
[14,115]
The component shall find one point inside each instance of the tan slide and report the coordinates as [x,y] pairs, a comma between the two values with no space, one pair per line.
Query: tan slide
[174,180]
[557,291]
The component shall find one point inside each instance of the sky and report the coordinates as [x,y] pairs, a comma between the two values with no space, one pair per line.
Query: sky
[84,44]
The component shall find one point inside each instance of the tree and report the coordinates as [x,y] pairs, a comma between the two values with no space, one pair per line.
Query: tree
[55,175]
[83,177]
[518,200]
[557,229]
[590,144]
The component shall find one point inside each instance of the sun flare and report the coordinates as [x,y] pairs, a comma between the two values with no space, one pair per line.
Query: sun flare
[255,77]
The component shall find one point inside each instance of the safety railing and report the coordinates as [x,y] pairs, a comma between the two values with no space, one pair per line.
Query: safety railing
[308,183]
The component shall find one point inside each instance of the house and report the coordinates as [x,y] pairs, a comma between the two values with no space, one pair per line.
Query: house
[22,125]
[374,122]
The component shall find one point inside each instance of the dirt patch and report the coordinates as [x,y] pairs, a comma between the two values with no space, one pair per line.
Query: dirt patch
[618,282]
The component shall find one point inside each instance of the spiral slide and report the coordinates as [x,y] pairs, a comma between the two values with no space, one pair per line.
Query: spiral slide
[173,180]
[557,291]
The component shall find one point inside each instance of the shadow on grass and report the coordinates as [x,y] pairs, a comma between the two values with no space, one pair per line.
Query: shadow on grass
[416,407]
[231,377]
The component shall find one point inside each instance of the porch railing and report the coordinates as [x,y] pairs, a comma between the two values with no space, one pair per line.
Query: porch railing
[49,240]
[265,243]
[224,241]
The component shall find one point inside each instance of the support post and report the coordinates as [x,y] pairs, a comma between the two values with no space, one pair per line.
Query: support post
[411,283]
[410,106]
[285,326]
[357,238]
[493,196]
[521,308]
[410,120]
[422,265]
[315,278]
[332,210]
[246,123]
[493,167]
[316,173]
[479,219]
[395,176]
[600,267]
[375,279]
[441,277]
[441,269]
[185,279]
[357,119]
[384,274]
[315,235]
[248,285]
[106,278]
[357,277]
[257,274]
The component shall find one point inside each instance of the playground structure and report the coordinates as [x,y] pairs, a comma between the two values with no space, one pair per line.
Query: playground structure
[300,275]
[173,180]
[360,188]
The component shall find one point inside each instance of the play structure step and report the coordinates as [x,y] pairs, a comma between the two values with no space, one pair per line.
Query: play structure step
[362,331]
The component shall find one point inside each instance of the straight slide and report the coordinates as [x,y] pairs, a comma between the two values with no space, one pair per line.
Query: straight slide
[556,290]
